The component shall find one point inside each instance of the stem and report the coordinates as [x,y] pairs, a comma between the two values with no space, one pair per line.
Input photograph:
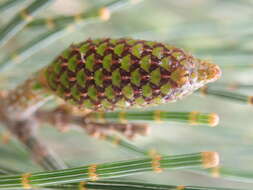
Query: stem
[63,21]
[194,118]
[116,185]
[32,47]
[8,4]
[116,140]
[21,19]
[231,86]
[42,155]
[109,170]
[24,100]
[56,31]
[5,171]
[16,111]
[225,94]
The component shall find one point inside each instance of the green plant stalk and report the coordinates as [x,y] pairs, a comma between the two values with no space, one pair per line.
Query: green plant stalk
[232,86]
[118,141]
[58,31]
[195,118]
[109,170]
[21,19]
[226,94]
[31,48]
[42,155]
[8,4]
[125,185]
[216,172]
[9,171]
[63,21]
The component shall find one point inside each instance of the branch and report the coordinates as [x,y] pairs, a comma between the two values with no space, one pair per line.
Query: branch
[24,131]
[116,185]
[226,94]
[93,172]
[64,118]
[193,118]
[23,126]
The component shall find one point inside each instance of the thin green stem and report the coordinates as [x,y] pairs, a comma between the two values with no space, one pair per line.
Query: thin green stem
[8,4]
[32,47]
[216,172]
[118,141]
[42,155]
[159,116]
[109,170]
[232,86]
[21,19]
[116,185]
[63,21]
[68,24]
[226,94]
[4,170]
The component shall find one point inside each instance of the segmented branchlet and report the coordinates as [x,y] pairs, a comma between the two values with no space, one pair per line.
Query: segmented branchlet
[106,74]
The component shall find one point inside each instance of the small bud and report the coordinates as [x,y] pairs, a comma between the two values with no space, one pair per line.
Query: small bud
[210,159]
[104,14]
[213,119]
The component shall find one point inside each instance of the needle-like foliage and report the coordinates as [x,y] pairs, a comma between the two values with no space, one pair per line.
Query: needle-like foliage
[125,54]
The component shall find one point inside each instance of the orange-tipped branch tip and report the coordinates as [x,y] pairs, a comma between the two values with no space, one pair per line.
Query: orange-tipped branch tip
[213,119]
[104,14]
[250,100]
[210,159]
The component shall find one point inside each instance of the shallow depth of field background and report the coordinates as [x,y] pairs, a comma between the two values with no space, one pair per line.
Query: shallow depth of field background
[219,30]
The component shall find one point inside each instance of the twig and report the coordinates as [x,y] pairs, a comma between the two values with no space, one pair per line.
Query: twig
[63,118]
[193,118]
[94,172]
[24,100]
[4,170]
[231,86]
[126,185]
[63,21]
[21,19]
[57,31]
[32,47]
[24,132]
[118,141]
[8,4]
[226,94]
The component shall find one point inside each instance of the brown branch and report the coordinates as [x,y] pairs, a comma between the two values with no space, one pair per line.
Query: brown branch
[24,130]
[64,118]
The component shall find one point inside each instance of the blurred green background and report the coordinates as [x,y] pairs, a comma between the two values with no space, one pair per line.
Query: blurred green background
[217,30]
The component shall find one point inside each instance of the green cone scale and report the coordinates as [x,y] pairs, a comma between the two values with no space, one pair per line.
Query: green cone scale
[108,74]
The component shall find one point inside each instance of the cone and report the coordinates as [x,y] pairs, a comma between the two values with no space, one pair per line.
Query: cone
[108,74]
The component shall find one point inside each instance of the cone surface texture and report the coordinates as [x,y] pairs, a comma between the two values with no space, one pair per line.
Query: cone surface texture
[108,74]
